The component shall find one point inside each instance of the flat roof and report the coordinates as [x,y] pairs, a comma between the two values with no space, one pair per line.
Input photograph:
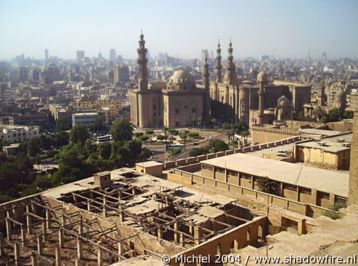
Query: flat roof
[333,145]
[149,164]
[296,174]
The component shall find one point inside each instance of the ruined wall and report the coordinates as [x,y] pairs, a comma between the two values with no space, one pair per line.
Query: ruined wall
[232,240]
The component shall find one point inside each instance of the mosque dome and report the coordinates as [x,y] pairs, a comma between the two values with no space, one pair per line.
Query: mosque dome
[181,80]
[283,102]
[262,77]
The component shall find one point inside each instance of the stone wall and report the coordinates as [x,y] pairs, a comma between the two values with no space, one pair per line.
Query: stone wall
[293,203]
[232,240]
[192,160]
[263,135]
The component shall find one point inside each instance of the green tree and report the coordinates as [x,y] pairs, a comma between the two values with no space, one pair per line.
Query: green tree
[79,134]
[63,124]
[199,151]
[333,115]
[61,138]
[121,130]
[348,114]
[216,145]
[33,147]
[104,150]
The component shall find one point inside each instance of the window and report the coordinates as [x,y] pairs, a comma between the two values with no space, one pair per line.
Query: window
[154,107]
[177,110]
[193,110]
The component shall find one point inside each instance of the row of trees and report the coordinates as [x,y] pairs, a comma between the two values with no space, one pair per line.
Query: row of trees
[82,157]
[76,154]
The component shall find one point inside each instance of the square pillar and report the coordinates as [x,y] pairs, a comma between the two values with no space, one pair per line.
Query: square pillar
[332,199]
[8,227]
[104,206]
[28,219]
[236,245]
[88,205]
[44,230]
[60,238]
[23,235]
[302,227]
[33,260]
[79,248]
[47,217]
[99,255]
[176,234]
[17,254]
[120,250]
[197,235]
[58,256]
[181,239]
[39,244]
[80,227]
[159,233]
[314,196]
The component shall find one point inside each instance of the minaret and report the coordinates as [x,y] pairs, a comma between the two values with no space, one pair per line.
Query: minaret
[142,65]
[218,64]
[261,80]
[230,70]
[206,74]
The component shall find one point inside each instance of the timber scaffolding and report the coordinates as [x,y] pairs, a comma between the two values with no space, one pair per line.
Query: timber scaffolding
[171,218]
[83,223]
[51,236]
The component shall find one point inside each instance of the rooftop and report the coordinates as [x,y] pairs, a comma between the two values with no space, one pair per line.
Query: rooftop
[335,144]
[296,174]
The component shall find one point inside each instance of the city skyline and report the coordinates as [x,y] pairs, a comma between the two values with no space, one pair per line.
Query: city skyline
[276,28]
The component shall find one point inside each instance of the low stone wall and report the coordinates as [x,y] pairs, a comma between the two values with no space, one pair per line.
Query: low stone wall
[235,239]
[191,160]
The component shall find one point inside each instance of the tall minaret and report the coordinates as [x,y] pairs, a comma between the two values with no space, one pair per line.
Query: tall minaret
[262,81]
[218,64]
[206,74]
[230,70]
[142,65]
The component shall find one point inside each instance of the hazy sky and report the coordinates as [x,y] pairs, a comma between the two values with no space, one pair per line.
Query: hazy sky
[285,28]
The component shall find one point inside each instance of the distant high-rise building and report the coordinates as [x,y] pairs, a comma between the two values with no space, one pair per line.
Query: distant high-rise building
[23,74]
[121,74]
[46,55]
[204,55]
[112,55]
[80,55]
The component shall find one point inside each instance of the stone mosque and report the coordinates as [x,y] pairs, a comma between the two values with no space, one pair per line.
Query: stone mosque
[180,102]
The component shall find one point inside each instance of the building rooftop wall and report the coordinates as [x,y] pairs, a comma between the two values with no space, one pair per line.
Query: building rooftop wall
[333,145]
[295,174]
